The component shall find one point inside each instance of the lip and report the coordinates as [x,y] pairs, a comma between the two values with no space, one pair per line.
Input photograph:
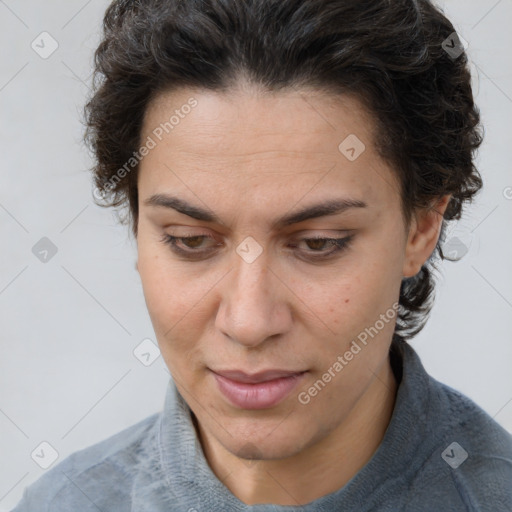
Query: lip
[261,390]
[256,378]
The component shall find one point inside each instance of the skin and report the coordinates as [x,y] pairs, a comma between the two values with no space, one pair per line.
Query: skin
[250,158]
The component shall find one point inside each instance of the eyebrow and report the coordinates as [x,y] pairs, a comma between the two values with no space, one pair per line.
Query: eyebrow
[326,208]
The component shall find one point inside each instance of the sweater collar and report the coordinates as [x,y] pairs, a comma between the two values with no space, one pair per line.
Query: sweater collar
[193,485]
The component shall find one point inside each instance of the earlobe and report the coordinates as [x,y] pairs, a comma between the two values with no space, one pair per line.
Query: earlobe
[423,236]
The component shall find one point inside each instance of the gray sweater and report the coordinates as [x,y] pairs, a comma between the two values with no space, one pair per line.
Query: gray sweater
[440,452]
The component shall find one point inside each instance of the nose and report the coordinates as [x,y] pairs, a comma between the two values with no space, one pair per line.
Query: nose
[253,304]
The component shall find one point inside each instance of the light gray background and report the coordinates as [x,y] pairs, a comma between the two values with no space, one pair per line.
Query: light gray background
[68,375]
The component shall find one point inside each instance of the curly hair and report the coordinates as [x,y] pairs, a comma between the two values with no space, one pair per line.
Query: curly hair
[392,54]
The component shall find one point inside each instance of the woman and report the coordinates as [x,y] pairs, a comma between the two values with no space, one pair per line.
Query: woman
[289,168]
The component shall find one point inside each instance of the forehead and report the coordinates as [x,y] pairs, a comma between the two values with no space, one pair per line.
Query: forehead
[247,139]
[261,120]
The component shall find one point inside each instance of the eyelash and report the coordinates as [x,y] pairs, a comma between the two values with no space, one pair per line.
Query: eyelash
[339,244]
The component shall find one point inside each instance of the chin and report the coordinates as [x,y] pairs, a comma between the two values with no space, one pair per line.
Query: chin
[267,444]
[266,451]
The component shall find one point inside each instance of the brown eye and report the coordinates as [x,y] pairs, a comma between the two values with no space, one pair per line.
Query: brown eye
[189,246]
[317,244]
[323,248]
[193,241]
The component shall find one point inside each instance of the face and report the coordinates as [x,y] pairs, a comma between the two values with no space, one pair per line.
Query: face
[237,288]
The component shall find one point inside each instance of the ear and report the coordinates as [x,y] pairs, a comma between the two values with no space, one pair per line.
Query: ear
[423,235]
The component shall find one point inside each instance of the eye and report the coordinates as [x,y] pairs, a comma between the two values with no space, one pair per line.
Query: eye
[193,246]
[189,246]
[317,246]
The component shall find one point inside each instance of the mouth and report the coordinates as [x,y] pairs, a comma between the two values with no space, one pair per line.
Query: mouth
[257,391]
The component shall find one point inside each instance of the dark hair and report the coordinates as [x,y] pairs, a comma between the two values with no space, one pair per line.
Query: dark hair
[392,54]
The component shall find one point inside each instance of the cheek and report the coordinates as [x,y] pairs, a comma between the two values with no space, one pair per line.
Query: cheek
[348,304]
[174,310]
[169,293]
[346,300]
[379,269]
[177,301]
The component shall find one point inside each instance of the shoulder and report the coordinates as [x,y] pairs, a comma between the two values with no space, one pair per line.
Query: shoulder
[471,454]
[100,473]
[467,420]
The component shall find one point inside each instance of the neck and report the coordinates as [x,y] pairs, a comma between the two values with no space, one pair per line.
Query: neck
[318,470]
